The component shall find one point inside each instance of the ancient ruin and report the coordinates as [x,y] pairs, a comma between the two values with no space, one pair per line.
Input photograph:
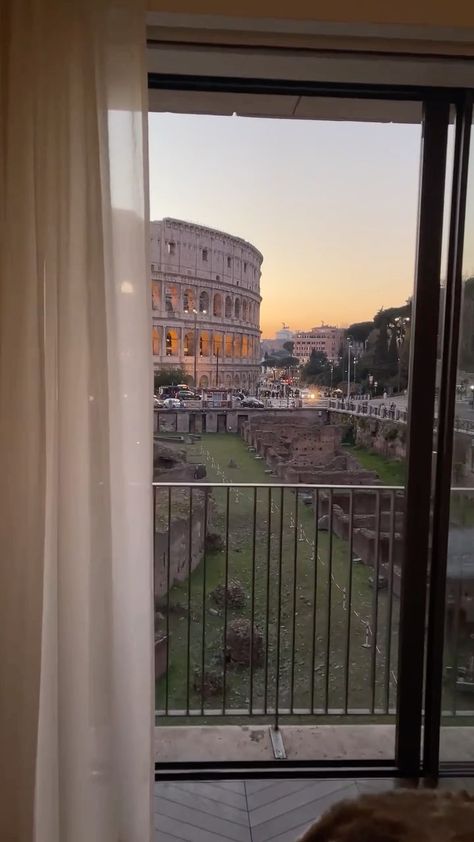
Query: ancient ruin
[305,451]
[178,538]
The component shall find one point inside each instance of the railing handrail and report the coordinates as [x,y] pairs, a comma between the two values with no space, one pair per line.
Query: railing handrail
[299,486]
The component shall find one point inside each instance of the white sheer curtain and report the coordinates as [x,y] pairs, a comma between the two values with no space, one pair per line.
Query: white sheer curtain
[76,689]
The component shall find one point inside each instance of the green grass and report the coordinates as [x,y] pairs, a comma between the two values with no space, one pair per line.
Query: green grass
[388,470]
[314,619]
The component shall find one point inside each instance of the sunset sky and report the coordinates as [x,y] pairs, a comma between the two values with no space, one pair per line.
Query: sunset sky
[332,206]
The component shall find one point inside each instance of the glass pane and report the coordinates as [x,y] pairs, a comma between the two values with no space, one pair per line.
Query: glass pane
[280,605]
[457,737]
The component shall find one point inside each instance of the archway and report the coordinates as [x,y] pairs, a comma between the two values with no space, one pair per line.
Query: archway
[244,310]
[188,349]
[189,300]
[245,346]
[172,342]
[236,379]
[171,298]
[204,343]
[237,308]
[204,302]
[228,345]
[155,295]
[203,381]
[217,306]
[228,381]
[156,341]
[228,307]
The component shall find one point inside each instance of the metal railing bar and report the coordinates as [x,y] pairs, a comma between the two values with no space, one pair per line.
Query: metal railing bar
[315,594]
[295,573]
[375,602]
[168,576]
[190,556]
[252,597]
[300,486]
[388,638]
[204,583]
[280,567]
[226,585]
[349,601]
[267,601]
[329,606]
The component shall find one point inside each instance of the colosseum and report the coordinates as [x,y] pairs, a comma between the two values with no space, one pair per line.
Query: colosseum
[205,297]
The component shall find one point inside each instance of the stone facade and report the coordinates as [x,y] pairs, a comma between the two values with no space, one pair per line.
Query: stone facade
[205,301]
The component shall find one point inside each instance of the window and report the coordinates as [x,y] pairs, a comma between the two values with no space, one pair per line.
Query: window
[171,247]
[245,266]
[229,262]
[205,255]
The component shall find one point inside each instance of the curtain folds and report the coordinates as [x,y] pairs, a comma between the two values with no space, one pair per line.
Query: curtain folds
[76,687]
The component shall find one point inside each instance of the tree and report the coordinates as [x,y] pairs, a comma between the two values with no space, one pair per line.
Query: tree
[359,331]
[170,377]
[289,346]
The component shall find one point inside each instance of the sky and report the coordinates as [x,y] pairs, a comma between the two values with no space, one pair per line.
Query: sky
[331,206]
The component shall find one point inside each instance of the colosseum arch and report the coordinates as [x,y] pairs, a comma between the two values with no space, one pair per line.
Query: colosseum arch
[156,341]
[189,300]
[237,379]
[245,346]
[188,349]
[244,310]
[204,343]
[204,302]
[228,307]
[237,308]
[228,381]
[203,381]
[172,342]
[237,345]
[228,345]
[217,305]
[171,298]
[217,345]
[155,295]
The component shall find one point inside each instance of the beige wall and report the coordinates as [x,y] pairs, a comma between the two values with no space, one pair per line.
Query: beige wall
[457,13]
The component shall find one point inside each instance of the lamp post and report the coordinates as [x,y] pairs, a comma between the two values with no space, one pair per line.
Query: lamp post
[349,346]
[216,354]
[195,340]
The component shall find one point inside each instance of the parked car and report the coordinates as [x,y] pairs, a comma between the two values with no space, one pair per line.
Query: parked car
[187,395]
[157,402]
[172,403]
[252,403]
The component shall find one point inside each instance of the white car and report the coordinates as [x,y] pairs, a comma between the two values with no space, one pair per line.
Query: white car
[172,403]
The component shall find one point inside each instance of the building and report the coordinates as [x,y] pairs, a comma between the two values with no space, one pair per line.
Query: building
[205,296]
[284,334]
[325,338]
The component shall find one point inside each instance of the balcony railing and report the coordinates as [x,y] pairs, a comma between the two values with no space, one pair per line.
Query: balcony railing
[279,602]
[276,601]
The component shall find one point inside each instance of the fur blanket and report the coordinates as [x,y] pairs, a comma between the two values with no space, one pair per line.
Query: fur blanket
[399,816]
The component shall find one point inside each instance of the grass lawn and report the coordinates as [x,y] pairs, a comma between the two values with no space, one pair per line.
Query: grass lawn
[389,471]
[299,600]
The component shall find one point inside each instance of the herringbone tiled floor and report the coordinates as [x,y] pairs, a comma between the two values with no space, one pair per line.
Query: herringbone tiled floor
[255,811]
[247,811]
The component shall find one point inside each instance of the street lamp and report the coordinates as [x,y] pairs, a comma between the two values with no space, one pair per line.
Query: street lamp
[349,347]
[195,312]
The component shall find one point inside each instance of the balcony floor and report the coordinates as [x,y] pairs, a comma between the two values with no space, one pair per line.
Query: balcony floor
[200,743]
[257,810]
